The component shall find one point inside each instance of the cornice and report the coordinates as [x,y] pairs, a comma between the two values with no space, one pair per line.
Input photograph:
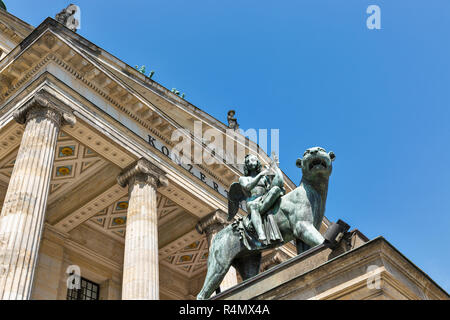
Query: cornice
[15,27]
[92,85]
[89,74]
[115,67]
[12,84]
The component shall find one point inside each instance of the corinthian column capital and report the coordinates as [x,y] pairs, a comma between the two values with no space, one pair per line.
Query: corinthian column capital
[44,105]
[142,171]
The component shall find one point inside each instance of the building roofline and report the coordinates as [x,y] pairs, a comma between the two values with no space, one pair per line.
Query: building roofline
[95,51]
[12,17]
[378,240]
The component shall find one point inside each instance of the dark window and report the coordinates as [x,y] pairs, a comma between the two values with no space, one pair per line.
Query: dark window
[88,291]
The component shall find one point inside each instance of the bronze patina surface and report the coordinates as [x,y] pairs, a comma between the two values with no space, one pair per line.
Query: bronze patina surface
[279,218]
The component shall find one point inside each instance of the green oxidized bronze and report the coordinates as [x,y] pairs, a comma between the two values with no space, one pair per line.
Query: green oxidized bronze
[2,5]
[274,218]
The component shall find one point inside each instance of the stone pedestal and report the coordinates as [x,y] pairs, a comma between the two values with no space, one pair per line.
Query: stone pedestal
[140,267]
[23,212]
[211,225]
[355,270]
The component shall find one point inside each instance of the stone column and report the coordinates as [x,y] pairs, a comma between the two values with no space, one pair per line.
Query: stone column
[140,266]
[211,225]
[23,212]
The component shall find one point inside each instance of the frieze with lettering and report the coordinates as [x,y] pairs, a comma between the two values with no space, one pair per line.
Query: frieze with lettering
[156,144]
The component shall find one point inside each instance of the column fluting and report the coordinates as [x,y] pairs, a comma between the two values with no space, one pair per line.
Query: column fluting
[23,212]
[141,263]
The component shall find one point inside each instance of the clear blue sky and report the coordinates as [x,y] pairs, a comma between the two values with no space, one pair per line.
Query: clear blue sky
[380,99]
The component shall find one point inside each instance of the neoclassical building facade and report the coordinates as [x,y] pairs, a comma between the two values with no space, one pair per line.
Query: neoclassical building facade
[88,185]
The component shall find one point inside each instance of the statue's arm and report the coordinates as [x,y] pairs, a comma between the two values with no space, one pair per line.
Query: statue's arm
[248,183]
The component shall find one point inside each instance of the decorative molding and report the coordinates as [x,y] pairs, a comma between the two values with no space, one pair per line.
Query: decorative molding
[10,138]
[188,255]
[99,144]
[190,260]
[179,243]
[166,209]
[7,166]
[50,228]
[108,97]
[112,220]
[14,84]
[99,79]
[73,164]
[13,27]
[114,153]
[91,208]
[184,199]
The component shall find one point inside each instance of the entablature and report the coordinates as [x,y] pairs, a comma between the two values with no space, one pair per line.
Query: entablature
[137,97]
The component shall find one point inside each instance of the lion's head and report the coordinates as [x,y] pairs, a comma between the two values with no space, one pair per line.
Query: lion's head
[316,162]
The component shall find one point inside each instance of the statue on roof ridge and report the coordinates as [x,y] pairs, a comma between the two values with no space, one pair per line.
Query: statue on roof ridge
[69,17]
[232,121]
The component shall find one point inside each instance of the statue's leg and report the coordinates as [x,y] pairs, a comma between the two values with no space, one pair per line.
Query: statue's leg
[248,266]
[273,195]
[306,232]
[223,249]
[255,216]
[214,277]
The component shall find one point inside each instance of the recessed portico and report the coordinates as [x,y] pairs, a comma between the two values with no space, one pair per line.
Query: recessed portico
[86,214]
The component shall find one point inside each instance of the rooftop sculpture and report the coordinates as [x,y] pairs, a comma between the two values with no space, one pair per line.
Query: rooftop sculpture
[232,121]
[67,17]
